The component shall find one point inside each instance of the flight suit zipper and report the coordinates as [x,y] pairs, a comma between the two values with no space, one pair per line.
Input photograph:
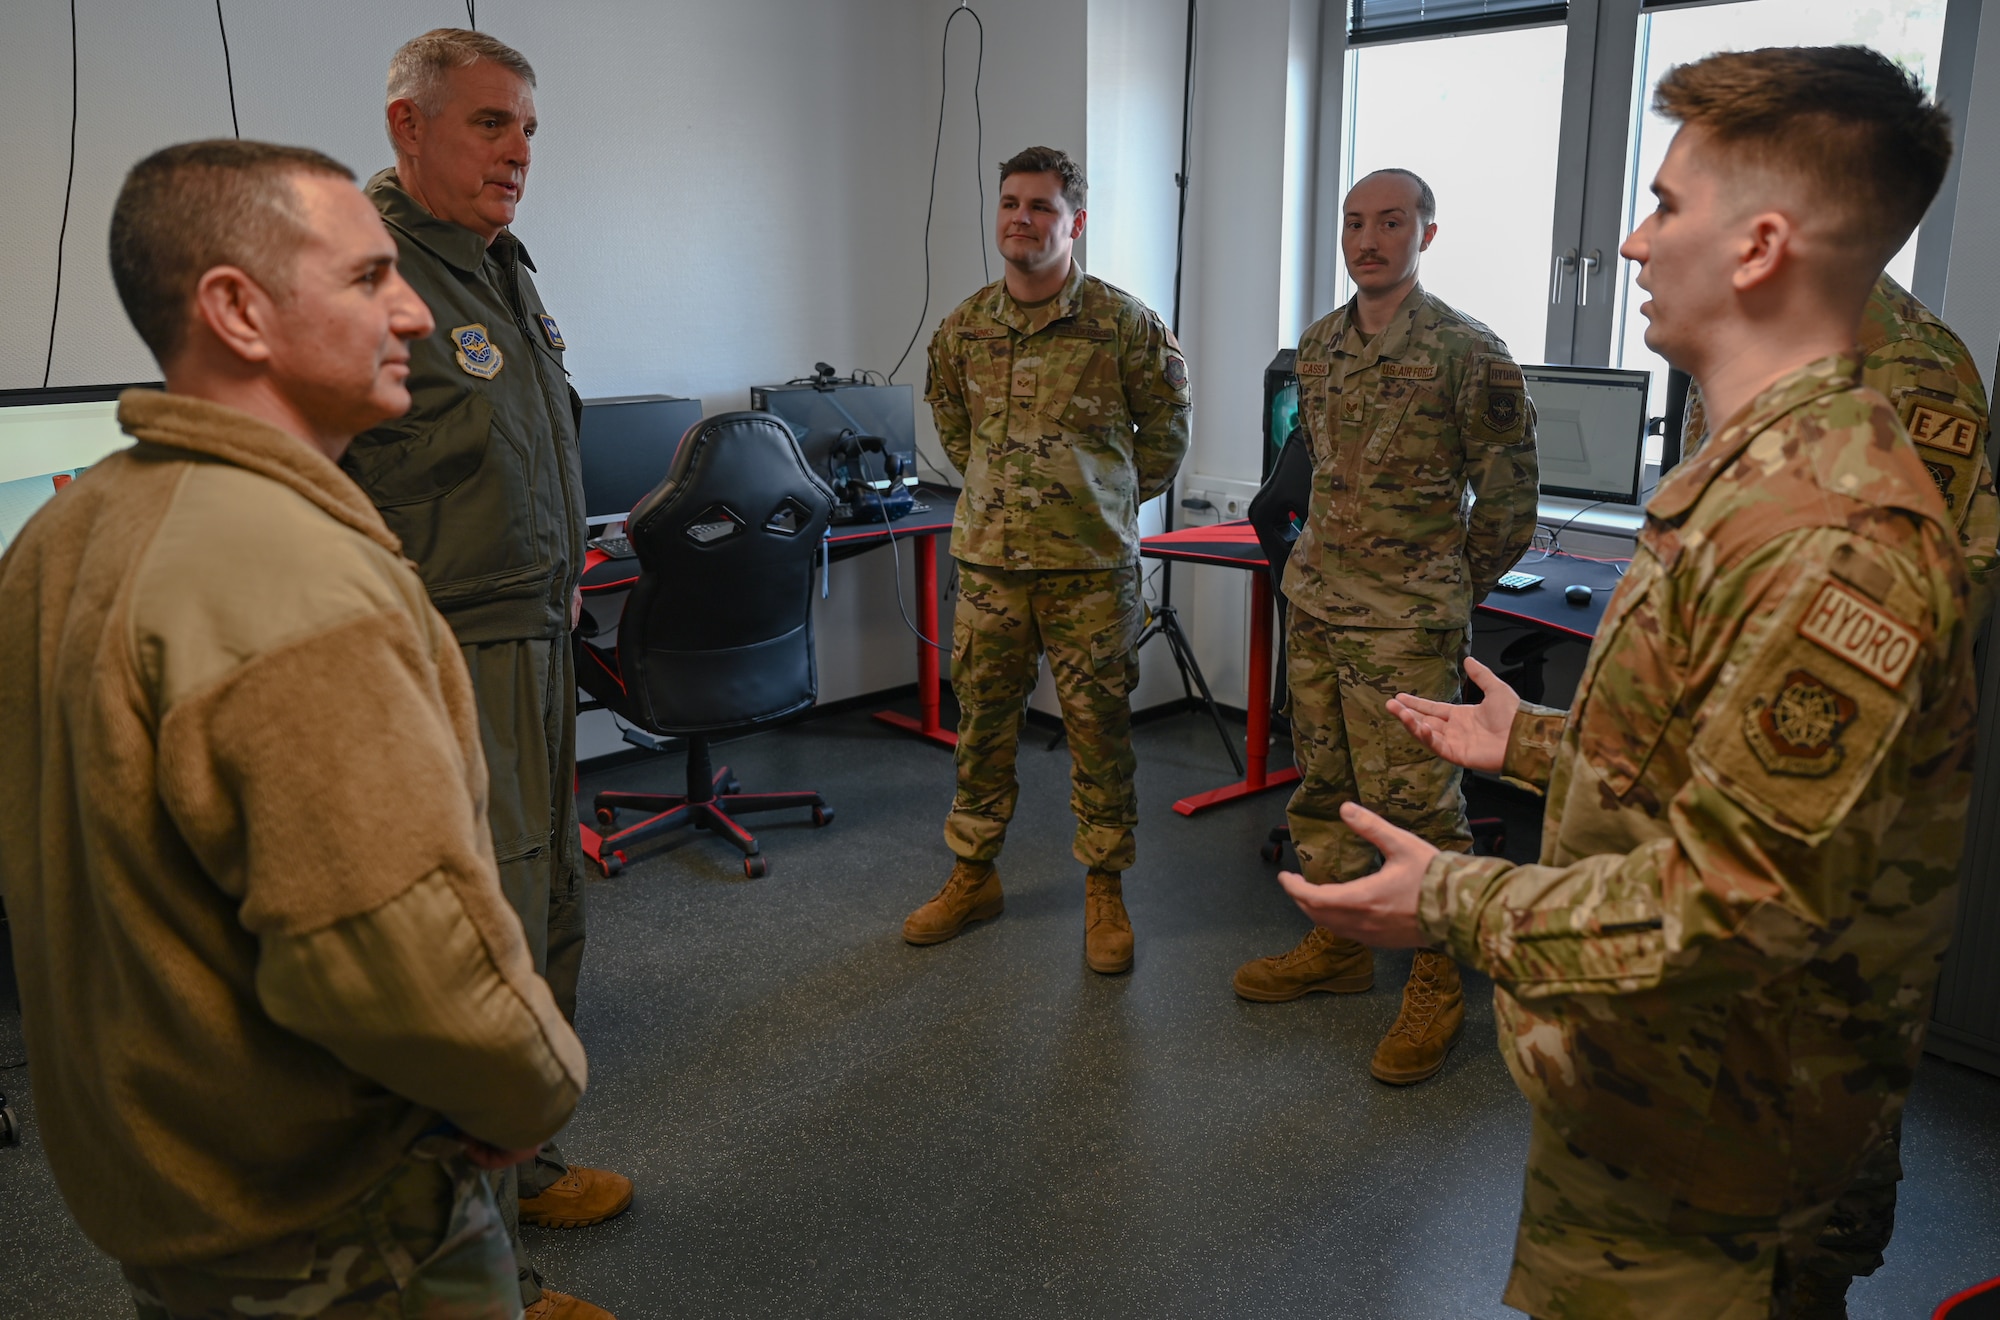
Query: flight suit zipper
[567,586]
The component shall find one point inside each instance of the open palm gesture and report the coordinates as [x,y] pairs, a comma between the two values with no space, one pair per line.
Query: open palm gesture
[1472,736]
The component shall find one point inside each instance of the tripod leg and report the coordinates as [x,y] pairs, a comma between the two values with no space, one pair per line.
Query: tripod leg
[1184,657]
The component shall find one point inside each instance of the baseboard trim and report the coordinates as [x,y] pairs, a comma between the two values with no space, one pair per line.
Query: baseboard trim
[1950,1043]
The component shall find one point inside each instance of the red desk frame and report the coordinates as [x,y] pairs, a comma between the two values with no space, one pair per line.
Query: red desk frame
[921,531]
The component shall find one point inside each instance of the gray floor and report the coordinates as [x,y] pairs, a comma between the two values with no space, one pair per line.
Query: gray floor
[824,1121]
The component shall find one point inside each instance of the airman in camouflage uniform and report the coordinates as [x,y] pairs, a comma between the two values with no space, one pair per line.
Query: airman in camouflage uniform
[1382,581]
[1065,414]
[1917,362]
[1711,984]
[1924,369]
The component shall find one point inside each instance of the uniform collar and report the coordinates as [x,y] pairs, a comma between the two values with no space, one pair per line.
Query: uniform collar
[1791,391]
[1028,320]
[197,426]
[1391,342]
[455,245]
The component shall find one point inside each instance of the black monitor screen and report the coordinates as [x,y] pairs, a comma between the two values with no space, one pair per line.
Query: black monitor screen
[47,438]
[1590,430]
[817,418]
[627,444]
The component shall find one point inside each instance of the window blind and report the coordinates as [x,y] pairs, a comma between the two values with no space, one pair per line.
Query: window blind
[1402,20]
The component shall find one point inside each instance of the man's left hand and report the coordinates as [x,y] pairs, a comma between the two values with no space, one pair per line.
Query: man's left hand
[1379,909]
[575,608]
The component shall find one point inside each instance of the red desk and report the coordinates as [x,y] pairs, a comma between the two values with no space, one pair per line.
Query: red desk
[921,530]
[1234,545]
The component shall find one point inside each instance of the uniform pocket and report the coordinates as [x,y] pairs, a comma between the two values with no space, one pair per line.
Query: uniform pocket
[1631,689]
[422,460]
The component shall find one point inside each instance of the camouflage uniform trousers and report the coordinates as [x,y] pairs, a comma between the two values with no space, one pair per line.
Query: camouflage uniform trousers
[1855,1236]
[1597,1243]
[526,692]
[1087,620]
[1349,748]
[425,1244]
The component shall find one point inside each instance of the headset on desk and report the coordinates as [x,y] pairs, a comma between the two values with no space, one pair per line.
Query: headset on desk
[868,500]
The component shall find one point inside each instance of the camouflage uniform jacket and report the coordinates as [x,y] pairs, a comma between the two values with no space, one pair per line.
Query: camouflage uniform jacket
[1400,425]
[1926,372]
[1717,975]
[1064,418]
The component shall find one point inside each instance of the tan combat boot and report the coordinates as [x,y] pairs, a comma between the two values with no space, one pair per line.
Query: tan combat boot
[578,1199]
[971,894]
[1427,1028]
[1322,961]
[1107,931]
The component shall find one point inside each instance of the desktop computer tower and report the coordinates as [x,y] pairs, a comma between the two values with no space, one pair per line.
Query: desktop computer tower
[821,413]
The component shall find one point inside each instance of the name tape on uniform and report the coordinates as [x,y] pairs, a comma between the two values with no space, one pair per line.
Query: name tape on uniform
[1314,368]
[1943,430]
[1409,370]
[1504,374]
[1862,633]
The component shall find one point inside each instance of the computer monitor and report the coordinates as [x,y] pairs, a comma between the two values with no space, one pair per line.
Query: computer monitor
[47,439]
[1281,406]
[1590,430]
[819,413]
[628,443]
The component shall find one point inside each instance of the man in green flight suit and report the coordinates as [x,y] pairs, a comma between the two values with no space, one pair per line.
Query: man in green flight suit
[483,483]
[1712,987]
[1410,406]
[1064,401]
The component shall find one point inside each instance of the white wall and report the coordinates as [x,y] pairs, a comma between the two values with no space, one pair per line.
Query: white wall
[722,194]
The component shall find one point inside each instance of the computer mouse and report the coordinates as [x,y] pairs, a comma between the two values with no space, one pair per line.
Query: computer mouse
[1577,594]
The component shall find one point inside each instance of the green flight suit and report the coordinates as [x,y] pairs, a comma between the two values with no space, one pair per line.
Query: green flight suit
[483,482]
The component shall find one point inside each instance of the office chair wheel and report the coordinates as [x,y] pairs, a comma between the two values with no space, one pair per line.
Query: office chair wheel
[755,867]
[613,864]
[822,815]
[1271,852]
[607,817]
[731,785]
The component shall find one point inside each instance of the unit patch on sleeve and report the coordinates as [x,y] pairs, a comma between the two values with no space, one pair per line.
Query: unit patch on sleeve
[1176,371]
[549,328]
[477,355]
[1862,633]
[1939,428]
[1504,375]
[1503,409]
[1796,731]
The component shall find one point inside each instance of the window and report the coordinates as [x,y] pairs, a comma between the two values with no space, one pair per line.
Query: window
[1478,117]
[1911,33]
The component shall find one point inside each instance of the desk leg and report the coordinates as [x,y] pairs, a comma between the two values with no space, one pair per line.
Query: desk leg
[1257,739]
[929,726]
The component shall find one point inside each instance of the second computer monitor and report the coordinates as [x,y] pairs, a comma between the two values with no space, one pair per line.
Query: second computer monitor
[627,444]
[1590,430]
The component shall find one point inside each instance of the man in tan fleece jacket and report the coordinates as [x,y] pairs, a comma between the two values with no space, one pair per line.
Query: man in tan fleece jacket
[276,1004]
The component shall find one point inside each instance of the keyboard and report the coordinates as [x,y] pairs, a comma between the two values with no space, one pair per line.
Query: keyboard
[618,547]
[1517,581]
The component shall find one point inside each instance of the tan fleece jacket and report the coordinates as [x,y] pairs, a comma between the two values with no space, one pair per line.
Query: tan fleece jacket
[243,844]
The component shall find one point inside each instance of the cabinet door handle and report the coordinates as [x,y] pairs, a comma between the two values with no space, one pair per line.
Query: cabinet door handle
[1590,265]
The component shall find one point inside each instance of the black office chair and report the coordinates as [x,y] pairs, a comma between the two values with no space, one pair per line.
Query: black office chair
[716,634]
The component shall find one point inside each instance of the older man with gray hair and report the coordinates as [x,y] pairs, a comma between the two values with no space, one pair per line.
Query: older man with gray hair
[481,480]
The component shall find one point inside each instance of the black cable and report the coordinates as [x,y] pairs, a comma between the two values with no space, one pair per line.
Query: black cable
[937,148]
[228,71]
[55,308]
[1181,179]
[471,18]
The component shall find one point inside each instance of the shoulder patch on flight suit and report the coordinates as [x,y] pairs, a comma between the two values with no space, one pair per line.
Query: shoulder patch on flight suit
[1314,368]
[548,324]
[477,355]
[1503,409]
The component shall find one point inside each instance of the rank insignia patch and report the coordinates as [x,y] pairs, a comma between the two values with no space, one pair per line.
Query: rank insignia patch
[549,328]
[1797,731]
[1503,409]
[477,355]
[1176,372]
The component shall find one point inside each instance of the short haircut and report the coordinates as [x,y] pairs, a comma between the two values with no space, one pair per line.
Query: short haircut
[418,68]
[1427,202]
[1849,123]
[1049,160]
[185,210]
